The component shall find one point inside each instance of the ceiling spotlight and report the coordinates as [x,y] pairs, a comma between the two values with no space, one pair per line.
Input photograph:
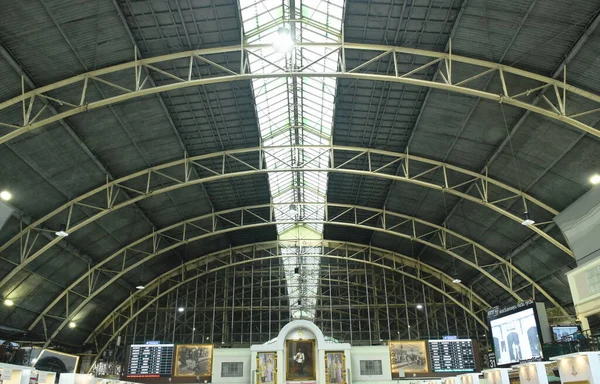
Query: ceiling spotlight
[595,179]
[62,232]
[419,306]
[456,280]
[293,208]
[181,309]
[527,220]
[5,195]
[193,329]
[283,42]
[9,302]
[72,324]
[140,286]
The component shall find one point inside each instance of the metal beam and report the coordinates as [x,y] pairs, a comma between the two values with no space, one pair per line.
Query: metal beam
[252,217]
[558,71]
[553,109]
[473,254]
[215,167]
[153,84]
[201,267]
[71,249]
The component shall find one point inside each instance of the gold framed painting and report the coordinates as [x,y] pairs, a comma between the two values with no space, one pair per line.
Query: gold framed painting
[408,355]
[300,360]
[335,368]
[266,368]
[193,360]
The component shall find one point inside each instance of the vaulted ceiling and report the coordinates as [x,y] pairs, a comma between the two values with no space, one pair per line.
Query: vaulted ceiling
[451,138]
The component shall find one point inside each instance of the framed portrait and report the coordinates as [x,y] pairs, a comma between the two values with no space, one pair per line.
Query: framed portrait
[300,360]
[335,368]
[193,360]
[266,368]
[408,355]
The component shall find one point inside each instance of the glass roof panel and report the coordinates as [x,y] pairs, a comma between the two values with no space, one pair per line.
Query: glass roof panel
[299,112]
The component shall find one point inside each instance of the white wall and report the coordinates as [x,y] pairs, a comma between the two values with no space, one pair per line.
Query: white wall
[370,353]
[231,355]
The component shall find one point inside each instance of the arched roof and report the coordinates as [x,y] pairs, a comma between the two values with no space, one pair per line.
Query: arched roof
[168,131]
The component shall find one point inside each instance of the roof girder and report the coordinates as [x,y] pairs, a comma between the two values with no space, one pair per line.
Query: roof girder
[109,192]
[176,273]
[555,106]
[263,215]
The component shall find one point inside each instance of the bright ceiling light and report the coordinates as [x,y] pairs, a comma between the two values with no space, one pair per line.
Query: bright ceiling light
[62,232]
[181,309]
[5,195]
[283,42]
[293,208]
[528,220]
[419,306]
[139,287]
[595,179]
[72,324]
[9,302]
[457,280]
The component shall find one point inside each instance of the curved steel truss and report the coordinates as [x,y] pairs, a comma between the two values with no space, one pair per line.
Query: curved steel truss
[568,104]
[107,198]
[435,279]
[196,229]
[145,249]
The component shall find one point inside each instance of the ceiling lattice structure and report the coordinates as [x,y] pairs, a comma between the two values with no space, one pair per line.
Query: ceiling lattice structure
[165,133]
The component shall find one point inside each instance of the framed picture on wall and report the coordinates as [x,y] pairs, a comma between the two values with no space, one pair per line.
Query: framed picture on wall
[335,368]
[193,360]
[266,368]
[408,355]
[300,360]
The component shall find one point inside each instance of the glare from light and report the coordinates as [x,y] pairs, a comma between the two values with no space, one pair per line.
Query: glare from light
[139,287]
[181,309]
[457,280]
[528,221]
[9,302]
[193,329]
[419,306]
[34,360]
[5,195]
[72,324]
[283,42]
[61,233]
[595,179]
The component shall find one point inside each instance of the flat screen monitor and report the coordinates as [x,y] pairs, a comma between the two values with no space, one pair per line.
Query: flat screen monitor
[516,334]
[454,355]
[564,332]
[149,361]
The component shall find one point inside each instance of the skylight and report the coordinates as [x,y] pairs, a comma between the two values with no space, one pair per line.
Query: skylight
[295,111]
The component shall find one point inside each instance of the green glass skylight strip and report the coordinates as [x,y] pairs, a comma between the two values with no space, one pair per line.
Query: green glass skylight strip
[298,112]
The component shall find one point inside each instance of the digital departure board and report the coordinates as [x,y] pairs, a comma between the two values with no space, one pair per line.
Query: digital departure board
[147,360]
[451,355]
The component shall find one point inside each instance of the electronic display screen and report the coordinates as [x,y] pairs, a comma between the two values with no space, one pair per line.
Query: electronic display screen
[515,335]
[147,360]
[564,332]
[451,355]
